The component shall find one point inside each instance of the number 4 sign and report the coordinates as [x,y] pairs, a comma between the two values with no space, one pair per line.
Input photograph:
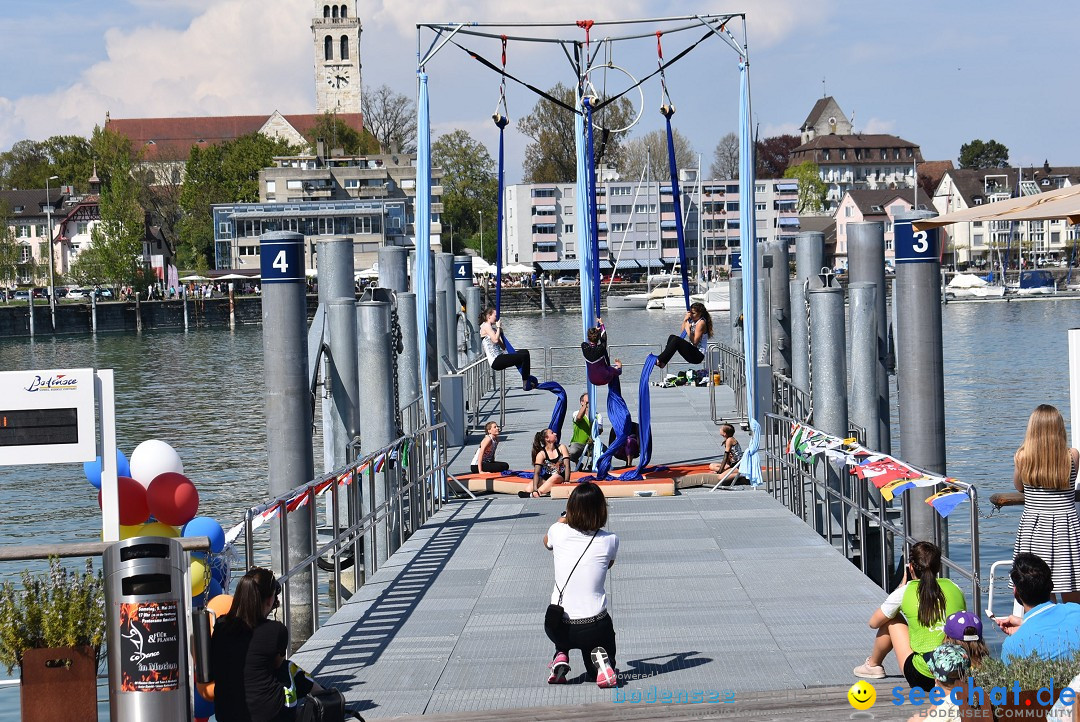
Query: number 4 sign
[281,257]
[914,246]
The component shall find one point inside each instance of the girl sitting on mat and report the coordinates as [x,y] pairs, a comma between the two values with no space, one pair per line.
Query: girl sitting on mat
[551,464]
[600,369]
[697,325]
[491,340]
[484,458]
[732,451]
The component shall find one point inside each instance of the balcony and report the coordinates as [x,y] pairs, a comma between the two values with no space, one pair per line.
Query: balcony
[545,256]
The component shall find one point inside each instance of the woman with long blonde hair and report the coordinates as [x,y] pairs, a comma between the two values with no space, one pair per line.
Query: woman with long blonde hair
[1045,472]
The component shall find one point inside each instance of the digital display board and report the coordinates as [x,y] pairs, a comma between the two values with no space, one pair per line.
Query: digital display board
[32,427]
[47,417]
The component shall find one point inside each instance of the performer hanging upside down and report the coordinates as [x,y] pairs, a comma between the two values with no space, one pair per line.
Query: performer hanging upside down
[600,369]
[495,349]
[697,325]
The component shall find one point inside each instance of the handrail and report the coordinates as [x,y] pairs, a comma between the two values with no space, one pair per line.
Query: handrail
[732,369]
[83,549]
[808,493]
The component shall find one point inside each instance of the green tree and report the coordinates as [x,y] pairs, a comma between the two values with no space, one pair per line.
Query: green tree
[979,154]
[470,188]
[653,146]
[71,157]
[812,190]
[337,134]
[24,166]
[552,155]
[725,163]
[391,118]
[117,240]
[9,248]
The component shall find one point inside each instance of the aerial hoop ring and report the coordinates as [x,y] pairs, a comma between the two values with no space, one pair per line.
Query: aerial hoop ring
[590,92]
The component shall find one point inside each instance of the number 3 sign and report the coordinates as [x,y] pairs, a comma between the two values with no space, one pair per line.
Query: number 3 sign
[281,258]
[916,246]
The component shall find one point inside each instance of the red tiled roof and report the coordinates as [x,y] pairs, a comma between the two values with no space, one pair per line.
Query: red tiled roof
[166,139]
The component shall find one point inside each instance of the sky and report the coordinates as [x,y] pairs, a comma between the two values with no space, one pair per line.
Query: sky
[937,74]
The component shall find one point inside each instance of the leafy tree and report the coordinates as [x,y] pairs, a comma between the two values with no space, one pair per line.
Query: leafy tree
[552,156]
[725,164]
[25,166]
[774,155]
[391,118]
[112,153]
[653,146]
[224,173]
[9,248]
[812,190]
[71,157]
[470,187]
[979,154]
[118,240]
[337,134]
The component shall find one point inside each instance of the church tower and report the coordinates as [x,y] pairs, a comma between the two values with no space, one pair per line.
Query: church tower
[336,33]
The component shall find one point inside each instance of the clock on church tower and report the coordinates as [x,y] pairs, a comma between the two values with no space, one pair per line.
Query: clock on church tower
[336,31]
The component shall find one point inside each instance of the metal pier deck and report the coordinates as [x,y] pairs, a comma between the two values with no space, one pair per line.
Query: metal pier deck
[722,592]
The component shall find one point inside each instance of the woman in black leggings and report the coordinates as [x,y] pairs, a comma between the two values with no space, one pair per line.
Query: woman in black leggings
[495,350]
[697,325]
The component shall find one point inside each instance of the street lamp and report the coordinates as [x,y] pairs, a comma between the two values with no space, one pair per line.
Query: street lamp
[451,235]
[481,234]
[48,213]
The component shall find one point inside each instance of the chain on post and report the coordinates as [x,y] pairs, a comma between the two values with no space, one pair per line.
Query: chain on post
[809,353]
[396,349]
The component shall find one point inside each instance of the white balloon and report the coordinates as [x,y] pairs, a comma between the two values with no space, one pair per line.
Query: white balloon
[151,458]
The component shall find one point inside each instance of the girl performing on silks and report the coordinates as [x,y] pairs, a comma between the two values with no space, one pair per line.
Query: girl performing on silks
[697,327]
[600,369]
[495,349]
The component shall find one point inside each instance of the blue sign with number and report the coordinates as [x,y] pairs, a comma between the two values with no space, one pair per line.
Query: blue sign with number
[282,259]
[463,270]
[914,246]
[736,261]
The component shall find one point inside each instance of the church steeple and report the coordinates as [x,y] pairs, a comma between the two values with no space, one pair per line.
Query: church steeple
[335,30]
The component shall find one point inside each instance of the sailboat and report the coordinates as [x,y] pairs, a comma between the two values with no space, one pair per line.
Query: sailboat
[633,300]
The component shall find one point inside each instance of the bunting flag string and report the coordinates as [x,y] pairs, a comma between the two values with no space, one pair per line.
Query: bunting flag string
[889,475]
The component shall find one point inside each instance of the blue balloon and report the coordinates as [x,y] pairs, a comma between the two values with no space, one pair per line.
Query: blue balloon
[215,589]
[202,707]
[198,601]
[208,527]
[92,469]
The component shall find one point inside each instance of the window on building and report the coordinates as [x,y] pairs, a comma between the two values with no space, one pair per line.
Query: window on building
[82,228]
[732,206]
[344,47]
[328,48]
[645,208]
[759,187]
[667,207]
[843,154]
[352,183]
[977,239]
[326,11]
[334,12]
[824,155]
[543,192]
[271,187]
[568,228]
[620,190]
[761,206]
[623,210]
[24,231]
[619,227]
[25,253]
[223,229]
[294,185]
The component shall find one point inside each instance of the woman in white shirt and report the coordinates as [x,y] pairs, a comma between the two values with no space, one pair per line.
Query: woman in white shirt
[491,340]
[697,325]
[583,552]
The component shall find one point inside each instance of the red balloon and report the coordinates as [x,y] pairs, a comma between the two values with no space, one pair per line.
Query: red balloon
[172,498]
[131,500]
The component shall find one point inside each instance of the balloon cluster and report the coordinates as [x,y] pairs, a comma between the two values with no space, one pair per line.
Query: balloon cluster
[156,499]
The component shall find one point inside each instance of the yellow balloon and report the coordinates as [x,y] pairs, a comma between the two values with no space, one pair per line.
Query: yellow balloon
[157,528]
[200,576]
[126,532]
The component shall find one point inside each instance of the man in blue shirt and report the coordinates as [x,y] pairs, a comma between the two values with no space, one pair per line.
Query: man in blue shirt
[1052,631]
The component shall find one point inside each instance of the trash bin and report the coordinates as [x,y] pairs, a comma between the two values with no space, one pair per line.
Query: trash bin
[146,619]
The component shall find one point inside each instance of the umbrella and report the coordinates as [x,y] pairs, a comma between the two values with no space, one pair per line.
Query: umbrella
[1059,203]
[518,268]
[195,277]
[311,272]
[367,273]
[235,277]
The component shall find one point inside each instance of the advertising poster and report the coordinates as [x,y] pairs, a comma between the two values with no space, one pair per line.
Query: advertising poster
[149,646]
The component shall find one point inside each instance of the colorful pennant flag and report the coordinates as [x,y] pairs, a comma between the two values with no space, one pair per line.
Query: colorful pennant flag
[946,500]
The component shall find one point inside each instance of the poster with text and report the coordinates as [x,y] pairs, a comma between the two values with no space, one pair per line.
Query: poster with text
[149,646]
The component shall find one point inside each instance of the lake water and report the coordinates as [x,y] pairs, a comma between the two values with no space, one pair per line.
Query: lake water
[202,392]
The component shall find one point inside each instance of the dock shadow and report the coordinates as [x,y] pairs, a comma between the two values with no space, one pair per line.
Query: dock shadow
[644,667]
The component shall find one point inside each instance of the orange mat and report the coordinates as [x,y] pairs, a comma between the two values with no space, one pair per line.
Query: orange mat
[656,483]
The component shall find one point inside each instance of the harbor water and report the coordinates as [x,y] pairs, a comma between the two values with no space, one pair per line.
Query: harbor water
[202,392]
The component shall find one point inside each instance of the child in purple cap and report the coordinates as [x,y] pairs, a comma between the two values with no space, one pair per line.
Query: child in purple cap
[965,629]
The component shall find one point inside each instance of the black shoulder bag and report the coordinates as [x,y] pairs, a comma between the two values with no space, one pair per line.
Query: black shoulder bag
[553,618]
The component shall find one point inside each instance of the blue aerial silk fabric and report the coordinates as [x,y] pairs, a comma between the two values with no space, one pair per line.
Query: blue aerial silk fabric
[750,464]
[423,236]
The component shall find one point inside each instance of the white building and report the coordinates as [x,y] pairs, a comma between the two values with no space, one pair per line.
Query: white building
[636,222]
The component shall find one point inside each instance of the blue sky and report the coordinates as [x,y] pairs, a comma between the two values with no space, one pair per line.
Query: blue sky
[938,74]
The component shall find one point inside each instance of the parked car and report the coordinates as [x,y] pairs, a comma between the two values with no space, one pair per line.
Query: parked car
[41,293]
[104,294]
[22,295]
[611,279]
[61,292]
[566,281]
[79,293]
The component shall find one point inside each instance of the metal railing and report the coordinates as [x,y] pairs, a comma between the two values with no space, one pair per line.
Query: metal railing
[479,381]
[827,501]
[731,366]
[790,400]
[414,480]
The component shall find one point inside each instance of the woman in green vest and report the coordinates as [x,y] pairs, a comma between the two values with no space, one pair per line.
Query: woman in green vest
[911,621]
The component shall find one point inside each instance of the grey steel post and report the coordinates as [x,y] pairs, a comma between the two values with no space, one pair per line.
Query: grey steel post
[377,421]
[31,302]
[472,321]
[183,300]
[463,284]
[764,349]
[394,268]
[779,306]
[828,361]
[735,299]
[921,374]
[866,264]
[543,296]
[809,256]
[93,311]
[343,378]
[408,359]
[336,281]
[444,281]
[433,347]
[809,259]
[440,331]
[288,407]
